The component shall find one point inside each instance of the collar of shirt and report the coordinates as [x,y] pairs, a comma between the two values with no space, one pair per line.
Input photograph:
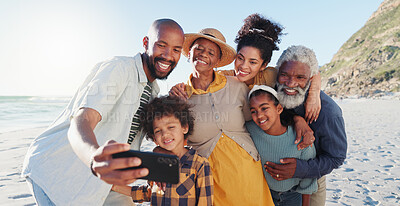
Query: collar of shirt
[142,75]
[218,83]
[140,69]
[187,159]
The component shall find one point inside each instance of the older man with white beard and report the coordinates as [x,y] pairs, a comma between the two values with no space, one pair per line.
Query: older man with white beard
[296,66]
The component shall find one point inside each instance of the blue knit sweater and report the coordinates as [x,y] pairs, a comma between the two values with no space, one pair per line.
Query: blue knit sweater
[273,148]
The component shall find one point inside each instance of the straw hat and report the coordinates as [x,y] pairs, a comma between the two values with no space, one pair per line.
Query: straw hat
[228,53]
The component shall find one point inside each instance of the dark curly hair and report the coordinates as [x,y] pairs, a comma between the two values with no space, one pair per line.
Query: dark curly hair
[166,106]
[260,33]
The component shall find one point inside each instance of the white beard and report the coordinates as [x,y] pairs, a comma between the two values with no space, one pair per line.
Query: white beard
[291,101]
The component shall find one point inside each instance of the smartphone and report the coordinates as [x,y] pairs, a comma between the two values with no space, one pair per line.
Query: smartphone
[162,167]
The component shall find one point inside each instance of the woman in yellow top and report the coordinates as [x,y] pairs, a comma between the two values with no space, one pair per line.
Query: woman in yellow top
[221,109]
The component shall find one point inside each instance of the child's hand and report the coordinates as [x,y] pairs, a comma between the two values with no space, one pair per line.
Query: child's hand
[161,185]
[179,91]
[303,130]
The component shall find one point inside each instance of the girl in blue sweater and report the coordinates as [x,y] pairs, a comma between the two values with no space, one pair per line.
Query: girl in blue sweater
[274,135]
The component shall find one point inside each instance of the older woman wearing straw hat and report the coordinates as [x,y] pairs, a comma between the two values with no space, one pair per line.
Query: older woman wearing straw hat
[221,109]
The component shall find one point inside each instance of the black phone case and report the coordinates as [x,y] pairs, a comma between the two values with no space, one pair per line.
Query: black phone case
[162,167]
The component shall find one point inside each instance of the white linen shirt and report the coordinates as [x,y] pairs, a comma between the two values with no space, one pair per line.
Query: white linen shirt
[113,89]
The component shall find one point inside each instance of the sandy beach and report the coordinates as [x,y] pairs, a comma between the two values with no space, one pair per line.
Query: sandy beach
[369,176]
[13,146]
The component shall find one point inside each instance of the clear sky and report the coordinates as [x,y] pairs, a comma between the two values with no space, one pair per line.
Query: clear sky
[48,47]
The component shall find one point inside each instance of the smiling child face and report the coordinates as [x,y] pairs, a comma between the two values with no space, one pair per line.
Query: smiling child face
[169,134]
[265,113]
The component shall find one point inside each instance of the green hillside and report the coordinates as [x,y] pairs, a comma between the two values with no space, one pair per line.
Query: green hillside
[368,64]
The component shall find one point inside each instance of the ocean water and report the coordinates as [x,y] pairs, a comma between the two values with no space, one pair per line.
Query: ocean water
[25,112]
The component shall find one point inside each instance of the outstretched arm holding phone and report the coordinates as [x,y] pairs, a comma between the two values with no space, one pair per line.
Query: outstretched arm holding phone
[84,143]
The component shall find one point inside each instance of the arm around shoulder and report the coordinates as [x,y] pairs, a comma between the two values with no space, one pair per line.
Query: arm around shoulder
[332,149]
[313,102]
[81,136]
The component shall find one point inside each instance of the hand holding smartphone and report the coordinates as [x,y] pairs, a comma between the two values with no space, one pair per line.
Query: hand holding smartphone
[162,167]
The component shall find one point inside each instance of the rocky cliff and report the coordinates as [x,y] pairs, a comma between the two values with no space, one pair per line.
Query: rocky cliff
[368,64]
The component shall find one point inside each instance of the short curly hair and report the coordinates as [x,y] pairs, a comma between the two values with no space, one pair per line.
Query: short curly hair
[261,33]
[166,106]
[302,54]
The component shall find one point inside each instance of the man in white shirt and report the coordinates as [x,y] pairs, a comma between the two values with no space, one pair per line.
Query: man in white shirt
[66,165]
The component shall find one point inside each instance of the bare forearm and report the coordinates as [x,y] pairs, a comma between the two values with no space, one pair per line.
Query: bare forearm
[303,130]
[84,143]
[316,83]
[81,136]
[313,102]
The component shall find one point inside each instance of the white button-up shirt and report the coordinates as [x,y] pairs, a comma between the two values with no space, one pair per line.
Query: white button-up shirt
[113,89]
